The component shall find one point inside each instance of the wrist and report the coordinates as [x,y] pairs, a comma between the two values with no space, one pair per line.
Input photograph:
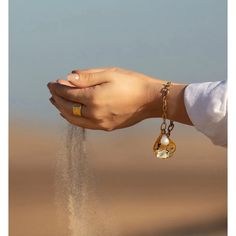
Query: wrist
[154,104]
[176,106]
[175,101]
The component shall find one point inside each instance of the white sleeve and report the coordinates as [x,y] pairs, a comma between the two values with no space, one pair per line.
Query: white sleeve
[206,105]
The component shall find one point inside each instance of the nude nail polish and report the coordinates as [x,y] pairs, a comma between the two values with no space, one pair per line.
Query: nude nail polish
[73,77]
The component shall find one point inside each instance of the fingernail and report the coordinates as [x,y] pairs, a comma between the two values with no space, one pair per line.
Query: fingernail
[62,115]
[52,100]
[72,77]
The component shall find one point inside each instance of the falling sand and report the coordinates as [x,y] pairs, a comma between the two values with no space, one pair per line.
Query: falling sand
[72,188]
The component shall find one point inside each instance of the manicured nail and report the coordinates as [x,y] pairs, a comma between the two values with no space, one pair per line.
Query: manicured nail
[62,115]
[52,100]
[72,77]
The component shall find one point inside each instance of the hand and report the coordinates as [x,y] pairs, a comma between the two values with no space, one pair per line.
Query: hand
[111,98]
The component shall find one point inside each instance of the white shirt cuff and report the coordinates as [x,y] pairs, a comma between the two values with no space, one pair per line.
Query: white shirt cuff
[206,105]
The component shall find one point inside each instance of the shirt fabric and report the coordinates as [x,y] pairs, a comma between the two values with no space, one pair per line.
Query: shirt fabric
[206,105]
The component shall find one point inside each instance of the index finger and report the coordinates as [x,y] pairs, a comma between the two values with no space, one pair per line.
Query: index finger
[73,94]
[91,70]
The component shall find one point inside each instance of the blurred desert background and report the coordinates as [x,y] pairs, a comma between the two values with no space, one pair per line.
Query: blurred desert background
[130,192]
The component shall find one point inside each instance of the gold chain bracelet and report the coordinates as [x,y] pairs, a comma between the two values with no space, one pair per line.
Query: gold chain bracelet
[164,147]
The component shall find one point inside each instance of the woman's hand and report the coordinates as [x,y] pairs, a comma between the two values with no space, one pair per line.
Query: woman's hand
[111,98]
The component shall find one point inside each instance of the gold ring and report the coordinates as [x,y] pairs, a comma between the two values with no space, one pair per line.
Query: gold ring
[77,110]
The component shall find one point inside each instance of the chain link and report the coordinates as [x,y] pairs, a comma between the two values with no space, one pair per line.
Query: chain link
[164,93]
[171,127]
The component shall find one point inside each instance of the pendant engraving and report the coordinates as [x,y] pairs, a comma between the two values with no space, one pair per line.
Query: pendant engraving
[164,147]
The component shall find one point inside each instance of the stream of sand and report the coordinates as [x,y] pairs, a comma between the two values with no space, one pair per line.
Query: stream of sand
[73,178]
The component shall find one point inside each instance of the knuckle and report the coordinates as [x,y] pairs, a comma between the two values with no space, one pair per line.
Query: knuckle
[113,73]
[107,127]
[95,114]
[85,78]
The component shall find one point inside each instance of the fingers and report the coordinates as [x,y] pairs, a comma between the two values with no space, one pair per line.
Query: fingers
[87,79]
[66,113]
[65,82]
[80,121]
[69,93]
[66,107]
[93,70]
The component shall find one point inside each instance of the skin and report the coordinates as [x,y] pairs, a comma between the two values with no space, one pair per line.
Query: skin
[114,98]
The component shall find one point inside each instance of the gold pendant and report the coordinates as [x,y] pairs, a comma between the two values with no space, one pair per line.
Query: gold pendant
[164,147]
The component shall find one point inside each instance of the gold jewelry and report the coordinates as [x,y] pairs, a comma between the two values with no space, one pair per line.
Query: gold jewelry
[77,110]
[164,147]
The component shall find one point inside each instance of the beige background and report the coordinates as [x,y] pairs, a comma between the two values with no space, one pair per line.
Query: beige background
[132,192]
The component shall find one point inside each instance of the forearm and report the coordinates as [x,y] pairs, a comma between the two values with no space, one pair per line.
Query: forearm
[175,102]
[114,98]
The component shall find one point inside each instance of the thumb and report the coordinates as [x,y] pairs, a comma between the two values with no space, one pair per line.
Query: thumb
[84,80]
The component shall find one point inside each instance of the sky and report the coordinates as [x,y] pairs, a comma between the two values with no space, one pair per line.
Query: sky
[179,40]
